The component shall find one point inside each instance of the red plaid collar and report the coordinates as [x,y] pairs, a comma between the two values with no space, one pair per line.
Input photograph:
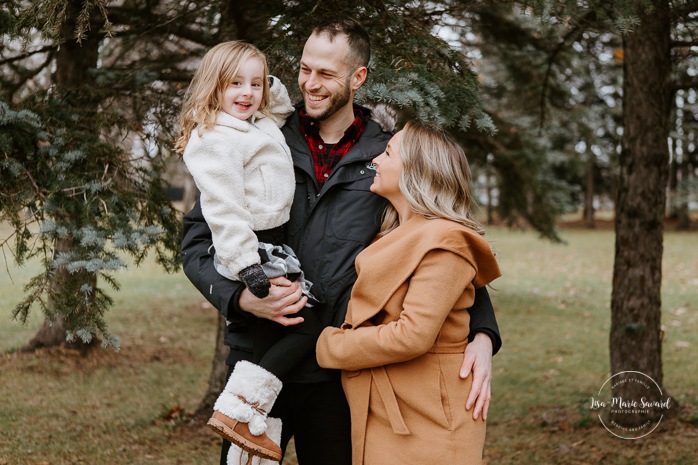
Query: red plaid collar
[326,157]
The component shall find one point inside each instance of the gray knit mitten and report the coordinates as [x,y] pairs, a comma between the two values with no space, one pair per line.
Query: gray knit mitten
[256,281]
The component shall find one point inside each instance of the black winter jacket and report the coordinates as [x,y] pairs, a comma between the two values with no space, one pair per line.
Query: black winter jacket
[327,230]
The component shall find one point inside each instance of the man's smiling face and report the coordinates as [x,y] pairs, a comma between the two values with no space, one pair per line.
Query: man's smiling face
[325,75]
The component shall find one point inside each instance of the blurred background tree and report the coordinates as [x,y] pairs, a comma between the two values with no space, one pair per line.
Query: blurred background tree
[656,70]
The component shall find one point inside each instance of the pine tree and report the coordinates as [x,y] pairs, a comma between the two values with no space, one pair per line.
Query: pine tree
[636,340]
[93,201]
[545,84]
[648,65]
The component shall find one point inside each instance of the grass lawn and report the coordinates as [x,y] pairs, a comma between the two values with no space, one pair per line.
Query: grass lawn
[552,303]
[553,307]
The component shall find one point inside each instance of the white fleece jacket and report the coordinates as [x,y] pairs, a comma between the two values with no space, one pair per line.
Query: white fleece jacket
[245,174]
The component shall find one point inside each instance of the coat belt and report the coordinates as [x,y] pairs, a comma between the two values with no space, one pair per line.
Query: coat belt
[385,389]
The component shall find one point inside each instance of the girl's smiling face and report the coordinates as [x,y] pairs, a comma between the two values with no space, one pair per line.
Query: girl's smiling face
[243,96]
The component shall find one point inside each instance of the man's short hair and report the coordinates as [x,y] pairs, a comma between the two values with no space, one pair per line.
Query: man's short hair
[357,37]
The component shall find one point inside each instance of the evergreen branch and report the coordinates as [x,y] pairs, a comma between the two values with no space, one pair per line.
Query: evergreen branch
[685,85]
[175,75]
[4,256]
[31,75]
[571,34]
[515,32]
[125,16]
[74,191]
[35,290]
[37,190]
[683,43]
[679,12]
[5,241]
[26,55]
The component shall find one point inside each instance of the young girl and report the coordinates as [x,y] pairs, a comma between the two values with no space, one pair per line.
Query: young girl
[407,322]
[235,151]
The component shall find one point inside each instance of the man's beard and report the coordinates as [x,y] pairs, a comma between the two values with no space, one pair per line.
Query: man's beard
[337,101]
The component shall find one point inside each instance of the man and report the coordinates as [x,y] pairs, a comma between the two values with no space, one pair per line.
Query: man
[334,216]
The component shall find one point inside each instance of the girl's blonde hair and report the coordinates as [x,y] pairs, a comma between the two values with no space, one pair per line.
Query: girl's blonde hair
[218,68]
[435,178]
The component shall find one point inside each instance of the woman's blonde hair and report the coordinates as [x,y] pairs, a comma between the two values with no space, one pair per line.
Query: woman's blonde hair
[218,68]
[435,178]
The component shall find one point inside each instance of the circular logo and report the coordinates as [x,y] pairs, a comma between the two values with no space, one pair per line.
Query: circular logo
[635,410]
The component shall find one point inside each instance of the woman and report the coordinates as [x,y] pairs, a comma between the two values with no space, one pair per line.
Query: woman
[401,345]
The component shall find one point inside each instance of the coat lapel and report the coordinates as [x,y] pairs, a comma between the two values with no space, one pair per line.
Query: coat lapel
[391,264]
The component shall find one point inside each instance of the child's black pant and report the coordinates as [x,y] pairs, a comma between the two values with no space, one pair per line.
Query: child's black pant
[279,348]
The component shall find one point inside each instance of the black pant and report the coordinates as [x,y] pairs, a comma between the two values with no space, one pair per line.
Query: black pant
[316,415]
[278,348]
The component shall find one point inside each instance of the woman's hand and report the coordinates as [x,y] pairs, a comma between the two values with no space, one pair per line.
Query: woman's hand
[478,360]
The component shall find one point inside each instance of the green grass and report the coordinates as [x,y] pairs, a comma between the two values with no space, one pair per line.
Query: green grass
[552,304]
[62,408]
[553,307]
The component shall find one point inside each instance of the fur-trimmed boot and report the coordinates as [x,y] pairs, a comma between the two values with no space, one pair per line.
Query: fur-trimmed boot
[241,410]
[238,456]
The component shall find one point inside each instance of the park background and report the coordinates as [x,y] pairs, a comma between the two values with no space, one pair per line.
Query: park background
[579,122]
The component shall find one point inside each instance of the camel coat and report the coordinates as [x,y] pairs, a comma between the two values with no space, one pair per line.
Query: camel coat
[402,343]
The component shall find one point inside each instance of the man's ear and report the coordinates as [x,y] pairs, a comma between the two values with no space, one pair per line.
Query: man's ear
[358,78]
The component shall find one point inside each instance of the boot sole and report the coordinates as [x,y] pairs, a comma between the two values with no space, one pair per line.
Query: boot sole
[223,430]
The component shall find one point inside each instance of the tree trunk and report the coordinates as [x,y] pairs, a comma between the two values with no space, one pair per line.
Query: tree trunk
[589,191]
[64,288]
[245,20]
[51,333]
[73,62]
[635,339]
[219,373]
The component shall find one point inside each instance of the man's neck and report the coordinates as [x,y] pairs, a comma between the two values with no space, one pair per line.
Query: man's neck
[333,128]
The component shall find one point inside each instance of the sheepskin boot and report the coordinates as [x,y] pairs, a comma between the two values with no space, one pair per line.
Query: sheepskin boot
[241,410]
[238,456]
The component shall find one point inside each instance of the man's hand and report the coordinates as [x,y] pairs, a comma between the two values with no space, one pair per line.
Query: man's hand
[285,298]
[478,360]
